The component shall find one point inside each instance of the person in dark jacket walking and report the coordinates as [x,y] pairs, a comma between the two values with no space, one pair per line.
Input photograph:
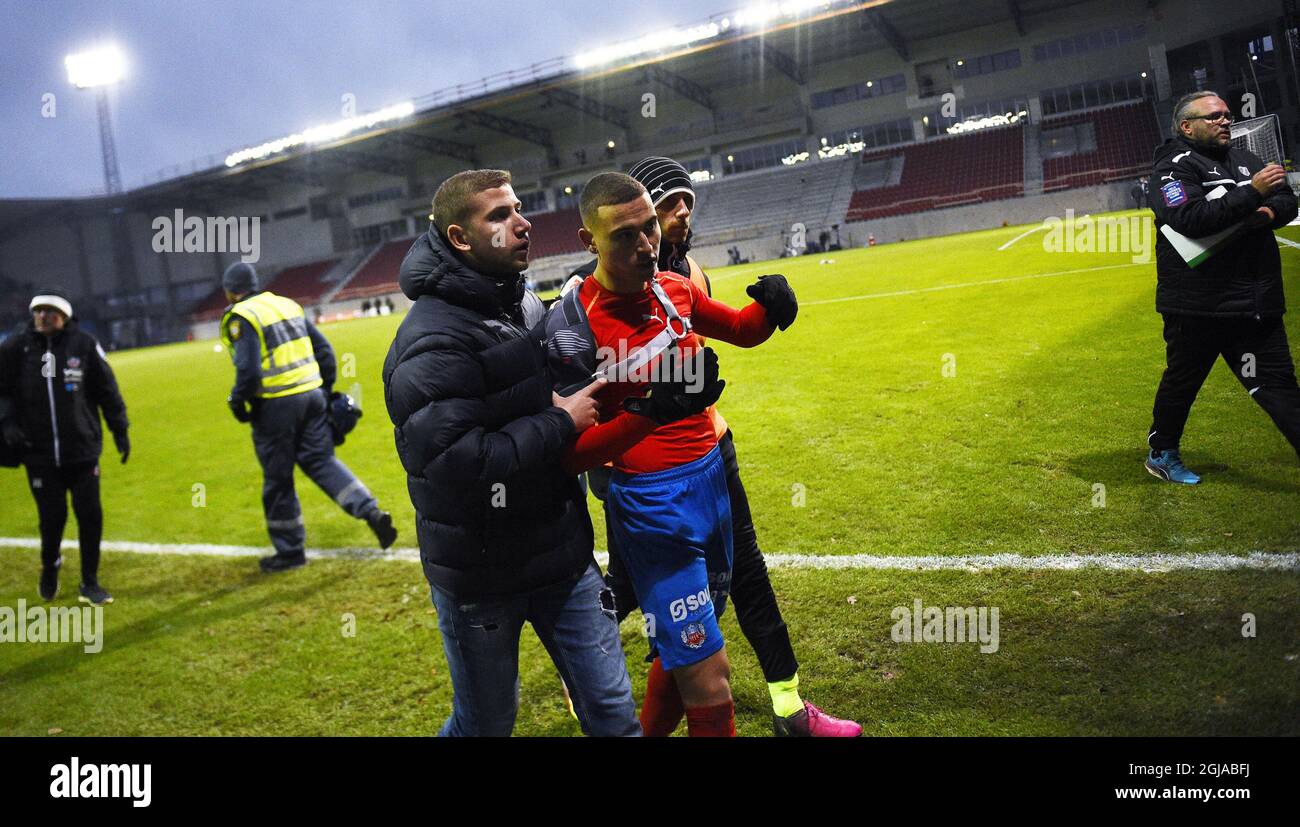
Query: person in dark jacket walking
[504,533]
[55,381]
[284,381]
[1230,304]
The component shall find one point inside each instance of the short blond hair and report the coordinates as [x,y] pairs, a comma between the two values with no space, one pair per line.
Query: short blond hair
[451,201]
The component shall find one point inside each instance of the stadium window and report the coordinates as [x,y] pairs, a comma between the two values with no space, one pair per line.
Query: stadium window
[533,202]
[293,212]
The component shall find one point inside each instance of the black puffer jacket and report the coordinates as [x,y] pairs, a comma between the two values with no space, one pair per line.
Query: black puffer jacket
[1244,280]
[470,398]
[56,387]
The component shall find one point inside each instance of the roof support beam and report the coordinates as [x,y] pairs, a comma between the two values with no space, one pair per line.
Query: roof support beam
[609,114]
[433,146]
[685,87]
[775,58]
[1016,17]
[513,128]
[889,33]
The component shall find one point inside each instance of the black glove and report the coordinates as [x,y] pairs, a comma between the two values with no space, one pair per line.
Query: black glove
[774,293]
[13,434]
[239,408]
[123,443]
[672,399]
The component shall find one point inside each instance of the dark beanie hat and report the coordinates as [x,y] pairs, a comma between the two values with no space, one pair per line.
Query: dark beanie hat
[239,278]
[662,177]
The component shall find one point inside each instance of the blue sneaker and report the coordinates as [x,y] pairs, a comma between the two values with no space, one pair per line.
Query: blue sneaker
[1168,465]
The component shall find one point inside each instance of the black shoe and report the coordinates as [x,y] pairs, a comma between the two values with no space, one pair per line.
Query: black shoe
[95,595]
[381,522]
[282,562]
[49,587]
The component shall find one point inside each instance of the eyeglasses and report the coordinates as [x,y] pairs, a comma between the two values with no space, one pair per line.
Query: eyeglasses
[1212,117]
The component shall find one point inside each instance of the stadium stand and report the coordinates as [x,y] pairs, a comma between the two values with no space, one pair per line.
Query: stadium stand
[1095,146]
[987,165]
[378,275]
[813,193]
[303,283]
[554,233]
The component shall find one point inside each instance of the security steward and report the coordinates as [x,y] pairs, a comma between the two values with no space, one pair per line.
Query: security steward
[284,378]
[55,382]
[1230,305]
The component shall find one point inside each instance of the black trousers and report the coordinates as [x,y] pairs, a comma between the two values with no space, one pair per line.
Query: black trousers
[294,430]
[50,486]
[751,589]
[1255,350]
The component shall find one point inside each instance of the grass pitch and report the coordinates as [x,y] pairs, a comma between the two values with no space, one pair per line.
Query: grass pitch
[935,397]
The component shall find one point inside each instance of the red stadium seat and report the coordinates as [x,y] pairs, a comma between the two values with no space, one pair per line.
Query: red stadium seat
[946,172]
[1126,135]
[379,274]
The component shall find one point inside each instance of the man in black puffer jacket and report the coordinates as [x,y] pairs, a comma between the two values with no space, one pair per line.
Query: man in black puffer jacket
[1230,304]
[55,381]
[504,532]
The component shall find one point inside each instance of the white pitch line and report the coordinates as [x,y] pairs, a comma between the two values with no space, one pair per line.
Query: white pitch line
[1288,242]
[1039,228]
[1202,561]
[914,291]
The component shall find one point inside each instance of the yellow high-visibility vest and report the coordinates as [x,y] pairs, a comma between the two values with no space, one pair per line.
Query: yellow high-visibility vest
[288,361]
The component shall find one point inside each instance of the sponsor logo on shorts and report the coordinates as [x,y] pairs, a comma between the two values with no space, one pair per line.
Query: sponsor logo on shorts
[693,635]
[683,606]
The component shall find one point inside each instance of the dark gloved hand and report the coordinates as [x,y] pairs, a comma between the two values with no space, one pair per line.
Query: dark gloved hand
[123,443]
[777,298]
[13,433]
[239,408]
[674,394]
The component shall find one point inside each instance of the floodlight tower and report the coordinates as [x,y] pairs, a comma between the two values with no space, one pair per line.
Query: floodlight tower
[99,69]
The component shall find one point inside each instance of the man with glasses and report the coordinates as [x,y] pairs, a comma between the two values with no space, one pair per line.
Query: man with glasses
[1231,303]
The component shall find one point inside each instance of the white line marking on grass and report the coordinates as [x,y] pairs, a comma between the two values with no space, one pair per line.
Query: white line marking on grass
[970,284]
[1040,227]
[1202,561]
[1288,242]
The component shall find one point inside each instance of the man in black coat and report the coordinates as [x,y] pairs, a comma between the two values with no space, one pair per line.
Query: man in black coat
[504,533]
[54,382]
[1230,304]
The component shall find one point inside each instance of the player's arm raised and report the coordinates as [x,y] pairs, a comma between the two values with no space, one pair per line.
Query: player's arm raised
[774,306]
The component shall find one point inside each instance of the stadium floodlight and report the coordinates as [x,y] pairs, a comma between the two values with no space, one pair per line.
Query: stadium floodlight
[98,69]
[323,133]
[102,66]
[757,17]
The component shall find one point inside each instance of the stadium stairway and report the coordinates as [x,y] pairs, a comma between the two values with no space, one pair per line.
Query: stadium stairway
[378,272]
[345,270]
[1033,160]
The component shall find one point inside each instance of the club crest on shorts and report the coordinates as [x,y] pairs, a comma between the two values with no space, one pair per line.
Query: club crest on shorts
[693,635]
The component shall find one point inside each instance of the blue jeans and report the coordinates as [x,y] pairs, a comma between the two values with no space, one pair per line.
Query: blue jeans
[482,645]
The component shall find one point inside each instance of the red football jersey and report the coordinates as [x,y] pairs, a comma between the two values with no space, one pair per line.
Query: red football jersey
[623,324]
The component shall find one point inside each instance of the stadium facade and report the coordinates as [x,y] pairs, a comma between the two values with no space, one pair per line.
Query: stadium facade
[842,122]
